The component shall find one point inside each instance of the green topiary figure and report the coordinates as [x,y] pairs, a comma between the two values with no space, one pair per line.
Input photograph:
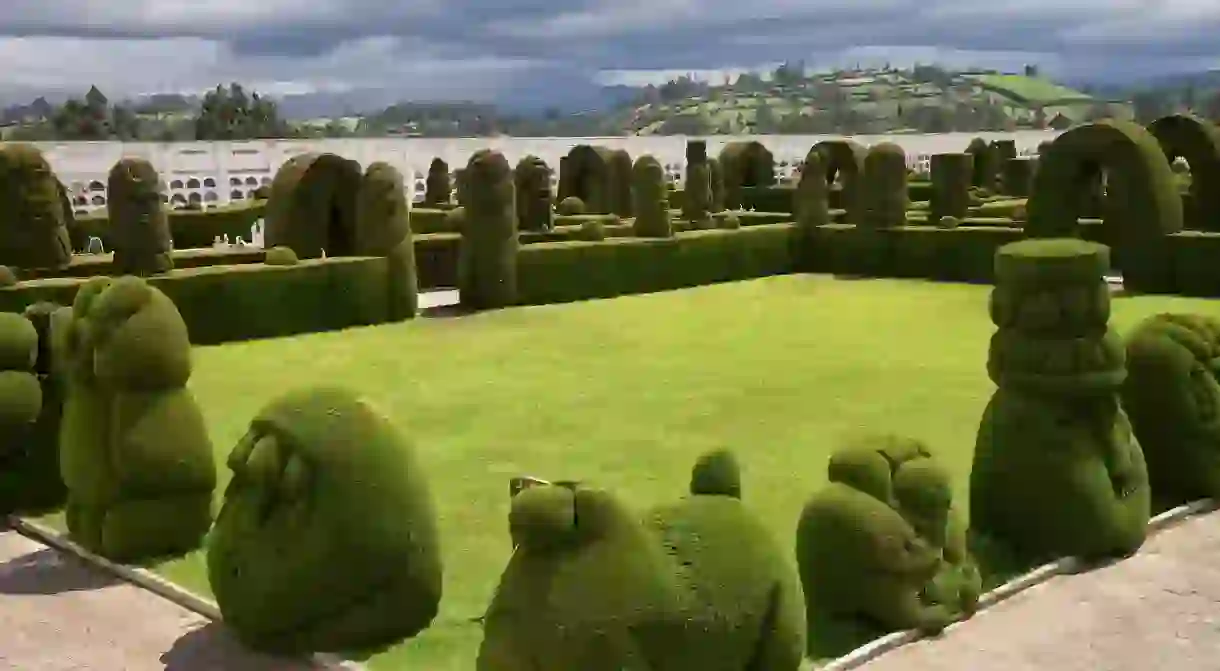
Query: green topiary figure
[619,165]
[1017,176]
[323,481]
[811,203]
[984,164]
[951,176]
[33,229]
[583,589]
[487,268]
[437,187]
[533,180]
[570,206]
[139,225]
[1057,471]
[383,228]
[651,197]
[729,221]
[716,179]
[885,183]
[883,545]
[948,222]
[1173,398]
[8,278]
[591,230]
[281,256]
[134,449]
[697,206]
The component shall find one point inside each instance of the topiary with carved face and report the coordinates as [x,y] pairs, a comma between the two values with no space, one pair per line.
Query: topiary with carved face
[327,537]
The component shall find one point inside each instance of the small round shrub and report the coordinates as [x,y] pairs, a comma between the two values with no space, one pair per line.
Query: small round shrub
[730,221]
[281,256]
[570,206]
[592,230]
[7,277]
[319,546]
[948,221]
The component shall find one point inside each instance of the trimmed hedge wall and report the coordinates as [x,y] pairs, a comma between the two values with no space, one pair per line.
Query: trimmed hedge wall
[778,198]
[189,228]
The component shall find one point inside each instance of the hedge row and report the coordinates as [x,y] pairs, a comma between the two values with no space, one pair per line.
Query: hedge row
[778,198]
[189,228]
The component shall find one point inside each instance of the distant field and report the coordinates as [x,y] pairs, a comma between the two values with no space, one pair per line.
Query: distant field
[1031,89]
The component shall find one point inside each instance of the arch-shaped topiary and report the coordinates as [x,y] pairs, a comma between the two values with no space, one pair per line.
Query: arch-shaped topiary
[312,206]
[743,164]
[1198,141]
[844,160]
[1143,204]
[586,173]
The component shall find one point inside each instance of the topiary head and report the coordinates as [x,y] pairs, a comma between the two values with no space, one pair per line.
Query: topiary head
[716,473]
[924,493]
[553,517]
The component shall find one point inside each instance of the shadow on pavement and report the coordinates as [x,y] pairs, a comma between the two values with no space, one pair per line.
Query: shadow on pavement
[46,571]
[212,647]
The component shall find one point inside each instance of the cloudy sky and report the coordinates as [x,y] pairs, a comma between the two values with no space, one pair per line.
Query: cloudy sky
[474,49]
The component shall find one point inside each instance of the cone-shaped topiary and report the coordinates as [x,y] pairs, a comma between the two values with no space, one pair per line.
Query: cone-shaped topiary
[883,542]
[651,199]
[570,206]
[885,183]
[33,229]
[29,406]
[437,187]
[321,480]
[951,175]
[1057,471]
[533,179]
[139,225]
[584,588]
[1173,399]
[134,449]
[487,270]
[620,180]
[383,228]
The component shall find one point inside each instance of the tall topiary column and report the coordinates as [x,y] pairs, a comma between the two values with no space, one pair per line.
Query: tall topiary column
[437,187]
[716,178]
[533,180]
[383,228]
[698,189]
[885,185]
[138,222]
[487,269]
[1057,471]
[811,204]
[951,175]
[1017,176]
[650,192]
[1003,150]
[33,224]
[620,183]
[984,164]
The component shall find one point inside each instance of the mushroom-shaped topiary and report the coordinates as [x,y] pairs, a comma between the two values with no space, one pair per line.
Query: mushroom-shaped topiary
[323,481]
[134,449]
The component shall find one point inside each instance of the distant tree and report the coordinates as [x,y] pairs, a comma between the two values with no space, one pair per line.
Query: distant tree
[232,114]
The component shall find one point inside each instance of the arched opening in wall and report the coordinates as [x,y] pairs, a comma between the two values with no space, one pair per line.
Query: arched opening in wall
[234,181]
[95,186]
[194,197]
[193,183]
[266,181]
[98,200]
[211,197]
[178,199]
[209,183]
[1192,146]
[252,181]
[1139,203]
[177,184]
[236,194]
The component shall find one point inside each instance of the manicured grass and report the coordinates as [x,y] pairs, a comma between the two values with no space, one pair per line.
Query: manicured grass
[626,393]
[1032,89]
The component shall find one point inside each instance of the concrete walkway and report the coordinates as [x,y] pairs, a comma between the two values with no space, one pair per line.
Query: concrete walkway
[1157,610]
[57,614]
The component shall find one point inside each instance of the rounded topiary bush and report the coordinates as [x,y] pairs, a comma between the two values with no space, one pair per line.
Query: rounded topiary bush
[651,206]
[33,220]
[592,230]
[948,221]
[318,546]
[139,225]
[729,221]
[139,484]
[7,277]
[487,259]
[281,256]
[570,206]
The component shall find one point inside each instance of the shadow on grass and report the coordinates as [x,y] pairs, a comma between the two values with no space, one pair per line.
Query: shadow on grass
[47,571]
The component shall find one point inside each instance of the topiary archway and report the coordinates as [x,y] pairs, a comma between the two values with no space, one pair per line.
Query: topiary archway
[313,206]
[586,173]
[1142,201]
[844,160]
[745,164]
[1197,141]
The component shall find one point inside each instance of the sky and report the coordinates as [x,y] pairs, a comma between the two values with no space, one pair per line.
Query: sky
[477,49]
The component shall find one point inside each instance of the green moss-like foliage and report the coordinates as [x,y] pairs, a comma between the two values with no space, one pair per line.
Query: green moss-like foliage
[728,221]
[883,545]
[984,163]
[844,162]
[533,179]
[1057,471]
[570,206]
[1173,398]
[587,175]
[1148,209]
[487,265]
[716,179]
[438,189]
[885,183]
[33,228]
[312,208]
[651,195]
[139,225]
[8,278]
[134,449]
[281,256]
[620,180]
[811,204]
[327,537]
[697,206]
[948,222]
[745,164]
[1198,141]
[383,228]
[592,230]
[716,473]
[1017,176]
[951,175]
[583,589]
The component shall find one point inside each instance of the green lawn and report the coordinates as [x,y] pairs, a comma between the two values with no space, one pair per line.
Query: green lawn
[1032,89]
[625,393]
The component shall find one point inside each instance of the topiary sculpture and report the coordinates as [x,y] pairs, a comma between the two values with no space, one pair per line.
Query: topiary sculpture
[715,175]
[1173,399]
[533,180]
[139,225]
[33,228]
[487,263]
[1017,176]
[281,256]
[1057,471]
[321,480]
[882,544]
[744,164]
[651,195]
[8,278]
[437,187]
[134,449]
[951,176]
[619,165]
[383,228]
[313,206]
[570,206]
[984,163]
[885,182]
[811,203]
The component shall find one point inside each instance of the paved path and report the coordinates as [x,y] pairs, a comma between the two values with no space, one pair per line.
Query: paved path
[57,614]
[1157,610]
